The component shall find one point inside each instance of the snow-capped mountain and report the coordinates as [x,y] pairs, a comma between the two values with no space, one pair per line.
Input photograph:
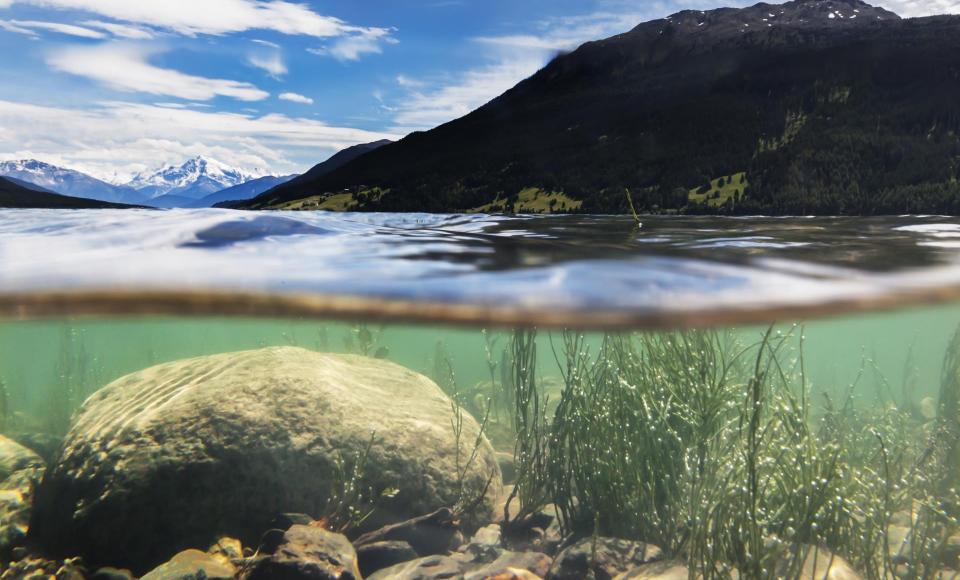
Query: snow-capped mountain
[67,181]
[196,178]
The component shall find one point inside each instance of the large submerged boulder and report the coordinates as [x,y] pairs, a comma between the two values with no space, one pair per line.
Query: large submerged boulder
[177,455]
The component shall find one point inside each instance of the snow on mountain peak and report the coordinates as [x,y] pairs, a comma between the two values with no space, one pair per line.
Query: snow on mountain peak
[195,178]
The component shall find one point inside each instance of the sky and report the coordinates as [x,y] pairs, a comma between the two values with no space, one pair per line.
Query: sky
[117,87]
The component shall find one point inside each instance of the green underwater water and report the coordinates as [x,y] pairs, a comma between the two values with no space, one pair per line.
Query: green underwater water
[882,374]
[41,359]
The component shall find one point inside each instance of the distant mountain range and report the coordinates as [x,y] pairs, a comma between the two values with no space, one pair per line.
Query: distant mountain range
[813,106]
[195,179]
[243,191]
[186,185]
[15,195]
[69,182]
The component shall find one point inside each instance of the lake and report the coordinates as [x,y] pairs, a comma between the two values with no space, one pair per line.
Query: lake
[746,394]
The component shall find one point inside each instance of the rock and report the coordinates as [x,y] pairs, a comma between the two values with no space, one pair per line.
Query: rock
[380,555]
[657,571]
[177,455]
[16,504]
[70,571]
[429,568]
[514,574]
[108,573]
[604,558]
[308,552]
[41,569]
[435,533]
[539,531]
[485,545]
[15,457]
[513,563]
[487,536]
[46,445]
[818,564]
[192,565]
[285,521]
[227,549]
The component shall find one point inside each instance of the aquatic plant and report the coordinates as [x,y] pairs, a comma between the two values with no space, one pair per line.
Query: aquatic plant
[709,448]
[78,373]
[351,501]
[442,370]
[466,504]
[530,426]
[363,340]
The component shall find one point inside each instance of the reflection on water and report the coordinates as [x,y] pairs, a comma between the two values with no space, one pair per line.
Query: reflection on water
[676,263]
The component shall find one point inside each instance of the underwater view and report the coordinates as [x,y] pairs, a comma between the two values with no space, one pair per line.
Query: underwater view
[379,442]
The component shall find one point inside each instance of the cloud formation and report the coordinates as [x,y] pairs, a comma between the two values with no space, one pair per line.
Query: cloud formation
[125,67]
[513,57]
[216,17]
[295,98]
[127,31]
[271,62]
[112,140]
[30,28]
[915,8]
[352,47]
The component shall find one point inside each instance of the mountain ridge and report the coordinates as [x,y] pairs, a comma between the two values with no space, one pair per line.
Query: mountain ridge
[65,181]
[171,186]
[16,196]
[195,178]
[815,113]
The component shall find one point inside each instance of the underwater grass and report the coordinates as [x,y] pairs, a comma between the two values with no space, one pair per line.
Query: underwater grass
[715,451]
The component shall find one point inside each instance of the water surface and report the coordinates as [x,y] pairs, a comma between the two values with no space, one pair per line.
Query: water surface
[538,264]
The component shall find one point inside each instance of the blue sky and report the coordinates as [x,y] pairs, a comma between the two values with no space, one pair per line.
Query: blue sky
[113,87]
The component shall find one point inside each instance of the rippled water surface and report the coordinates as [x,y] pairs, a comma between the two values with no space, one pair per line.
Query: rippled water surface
[539,262]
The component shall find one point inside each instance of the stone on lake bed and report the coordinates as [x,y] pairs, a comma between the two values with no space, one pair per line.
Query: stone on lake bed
[14,457]
[192,565]
[180,454]
[602,558]
[308,552]
[20,471]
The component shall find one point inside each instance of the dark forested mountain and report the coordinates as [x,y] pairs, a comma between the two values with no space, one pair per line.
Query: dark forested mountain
[14,195]
[814,106]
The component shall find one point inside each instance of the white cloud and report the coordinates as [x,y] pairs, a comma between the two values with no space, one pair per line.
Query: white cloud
[217,17]
[352,47]
[513,58]
[125,67]
[29,27]
[427,109]
[9,26]
[405,81]
[296,98]
[127,31]
[272,63]
[112,140]
[915,8]
[265,43]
